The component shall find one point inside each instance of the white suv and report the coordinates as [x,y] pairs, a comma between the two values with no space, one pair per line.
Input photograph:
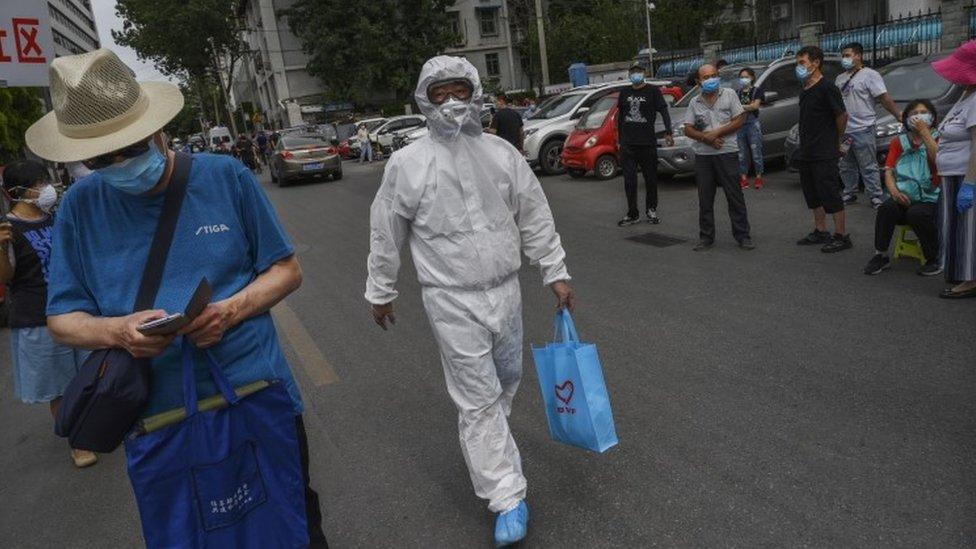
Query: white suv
[383,134]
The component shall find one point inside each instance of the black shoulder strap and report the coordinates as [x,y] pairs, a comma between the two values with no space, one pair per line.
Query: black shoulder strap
[152,275]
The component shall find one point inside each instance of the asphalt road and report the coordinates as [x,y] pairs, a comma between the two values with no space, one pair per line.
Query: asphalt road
[776,397]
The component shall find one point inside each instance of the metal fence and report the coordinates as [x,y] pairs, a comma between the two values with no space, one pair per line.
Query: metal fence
[761,52]
[887,41]
[884,41]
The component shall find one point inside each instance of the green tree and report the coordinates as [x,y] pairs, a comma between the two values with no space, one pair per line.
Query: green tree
[198,42]
[19,108]
[373,46]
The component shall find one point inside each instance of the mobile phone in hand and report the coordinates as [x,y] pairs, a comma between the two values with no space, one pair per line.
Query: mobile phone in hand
[164,326]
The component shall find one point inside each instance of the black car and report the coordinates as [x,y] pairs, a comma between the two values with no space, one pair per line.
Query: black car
[908,79]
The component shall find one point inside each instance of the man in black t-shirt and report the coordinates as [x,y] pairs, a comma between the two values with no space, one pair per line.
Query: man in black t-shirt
[637,109]
[506,123]
[822,122]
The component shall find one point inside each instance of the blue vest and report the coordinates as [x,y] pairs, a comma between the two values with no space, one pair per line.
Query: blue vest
[912,174]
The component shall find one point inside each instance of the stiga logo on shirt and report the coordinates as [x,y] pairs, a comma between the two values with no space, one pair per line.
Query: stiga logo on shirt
[564,393]
[212,229]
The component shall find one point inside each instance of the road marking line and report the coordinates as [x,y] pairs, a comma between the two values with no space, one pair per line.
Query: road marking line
[313,361]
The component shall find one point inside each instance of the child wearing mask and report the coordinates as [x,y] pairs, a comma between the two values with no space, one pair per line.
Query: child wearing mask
[42,368]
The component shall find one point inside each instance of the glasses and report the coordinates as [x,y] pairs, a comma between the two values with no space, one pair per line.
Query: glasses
[106,160]
[459,89]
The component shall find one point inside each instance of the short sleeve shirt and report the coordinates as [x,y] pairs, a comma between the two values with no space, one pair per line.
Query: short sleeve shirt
[954,144]
[704,117]
[820,105]
[227,232]
[859,90]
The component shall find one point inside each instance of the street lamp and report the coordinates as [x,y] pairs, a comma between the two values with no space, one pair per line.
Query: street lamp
[648,8]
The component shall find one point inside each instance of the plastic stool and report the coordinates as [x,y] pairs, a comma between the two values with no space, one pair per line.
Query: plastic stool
[905,247]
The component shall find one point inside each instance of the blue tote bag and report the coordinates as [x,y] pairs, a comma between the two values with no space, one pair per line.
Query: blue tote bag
[573,390]
[228,477]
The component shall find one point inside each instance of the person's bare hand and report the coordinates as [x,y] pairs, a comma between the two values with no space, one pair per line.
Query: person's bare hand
[382,313]
[920,126]
[565,296]
[901,198]
[127,336]
[6,233]
[669,140]
[717,142]
[208,328]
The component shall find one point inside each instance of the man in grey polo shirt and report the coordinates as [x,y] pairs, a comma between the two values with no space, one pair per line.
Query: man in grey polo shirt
[861,87]
[712,119]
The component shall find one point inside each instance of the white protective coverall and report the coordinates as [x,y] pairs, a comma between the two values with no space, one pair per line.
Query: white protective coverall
[469,204]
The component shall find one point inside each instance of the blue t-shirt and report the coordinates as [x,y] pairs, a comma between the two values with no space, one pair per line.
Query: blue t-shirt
[227,232]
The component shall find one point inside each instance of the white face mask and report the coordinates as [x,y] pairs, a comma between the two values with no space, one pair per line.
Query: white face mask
[454,112]
[47,198]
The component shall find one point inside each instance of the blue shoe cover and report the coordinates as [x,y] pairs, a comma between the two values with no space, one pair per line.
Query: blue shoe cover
[511,526]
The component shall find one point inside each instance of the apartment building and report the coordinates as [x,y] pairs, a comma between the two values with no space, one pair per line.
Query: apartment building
[73,26]
[485,39]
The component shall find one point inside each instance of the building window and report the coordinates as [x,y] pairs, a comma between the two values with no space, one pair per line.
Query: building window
[488,21]
[457,28]
[491,64]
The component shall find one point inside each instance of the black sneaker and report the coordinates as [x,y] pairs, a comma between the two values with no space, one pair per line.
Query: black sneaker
[850,199]
[838,243]
[652,217]
[814,238]
[878,263]
[628,221]
[746,244]
[931,268]
[703,245]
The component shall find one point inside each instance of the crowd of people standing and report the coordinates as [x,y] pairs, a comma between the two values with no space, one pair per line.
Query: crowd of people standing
[929,175]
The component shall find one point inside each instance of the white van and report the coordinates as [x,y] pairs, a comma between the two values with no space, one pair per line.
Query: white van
[220,140]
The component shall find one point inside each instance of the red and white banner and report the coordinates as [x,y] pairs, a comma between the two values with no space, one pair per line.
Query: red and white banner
[26,43]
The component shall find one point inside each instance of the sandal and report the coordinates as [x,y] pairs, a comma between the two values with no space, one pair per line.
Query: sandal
[83,458]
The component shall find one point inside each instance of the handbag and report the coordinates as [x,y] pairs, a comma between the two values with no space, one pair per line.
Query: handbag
[573,391]
[111,388]
[224,477]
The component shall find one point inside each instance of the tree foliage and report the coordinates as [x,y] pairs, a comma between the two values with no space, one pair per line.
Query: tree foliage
[195,41]
[359,49]
[19,108]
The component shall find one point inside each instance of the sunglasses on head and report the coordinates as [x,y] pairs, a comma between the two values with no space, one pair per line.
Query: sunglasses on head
[106,160]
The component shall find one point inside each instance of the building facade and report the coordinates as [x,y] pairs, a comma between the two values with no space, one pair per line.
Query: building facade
[274,78]
[485,39]
[73,26]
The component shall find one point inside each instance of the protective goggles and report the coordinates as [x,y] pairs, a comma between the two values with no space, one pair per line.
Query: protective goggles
[459,89]
[106,160]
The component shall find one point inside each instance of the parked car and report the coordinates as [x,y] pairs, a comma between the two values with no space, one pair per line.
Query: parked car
[304,155]
[382,135]
[547,129]
[592,145]
[908,79]
[778,114]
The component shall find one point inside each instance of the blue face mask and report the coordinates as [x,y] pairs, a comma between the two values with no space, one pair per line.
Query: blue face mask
[136,175]
[745,82]
[802,72]
[637,78]
[710,85]
[847,63]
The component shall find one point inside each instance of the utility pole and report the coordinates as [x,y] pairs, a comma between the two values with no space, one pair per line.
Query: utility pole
[542,44]
[650,51]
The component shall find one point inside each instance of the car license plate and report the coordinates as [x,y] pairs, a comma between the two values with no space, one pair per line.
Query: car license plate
[314,166]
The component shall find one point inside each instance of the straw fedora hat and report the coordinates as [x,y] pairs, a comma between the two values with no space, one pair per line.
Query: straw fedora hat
[99,108]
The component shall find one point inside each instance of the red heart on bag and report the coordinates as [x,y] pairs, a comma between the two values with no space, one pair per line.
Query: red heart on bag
[565,389]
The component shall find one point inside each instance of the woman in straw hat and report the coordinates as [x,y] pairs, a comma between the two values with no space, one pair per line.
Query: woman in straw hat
[956,162]
[227,231]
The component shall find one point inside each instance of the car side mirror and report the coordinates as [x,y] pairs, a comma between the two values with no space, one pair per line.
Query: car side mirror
[580,112]
[770,98]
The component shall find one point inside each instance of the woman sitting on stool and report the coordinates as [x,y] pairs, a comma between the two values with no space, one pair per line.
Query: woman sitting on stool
[913,189]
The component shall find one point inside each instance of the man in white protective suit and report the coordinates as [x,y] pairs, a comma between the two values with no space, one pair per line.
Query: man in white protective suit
[469,205]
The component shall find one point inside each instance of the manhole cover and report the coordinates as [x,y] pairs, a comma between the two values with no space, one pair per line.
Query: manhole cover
[657,240]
